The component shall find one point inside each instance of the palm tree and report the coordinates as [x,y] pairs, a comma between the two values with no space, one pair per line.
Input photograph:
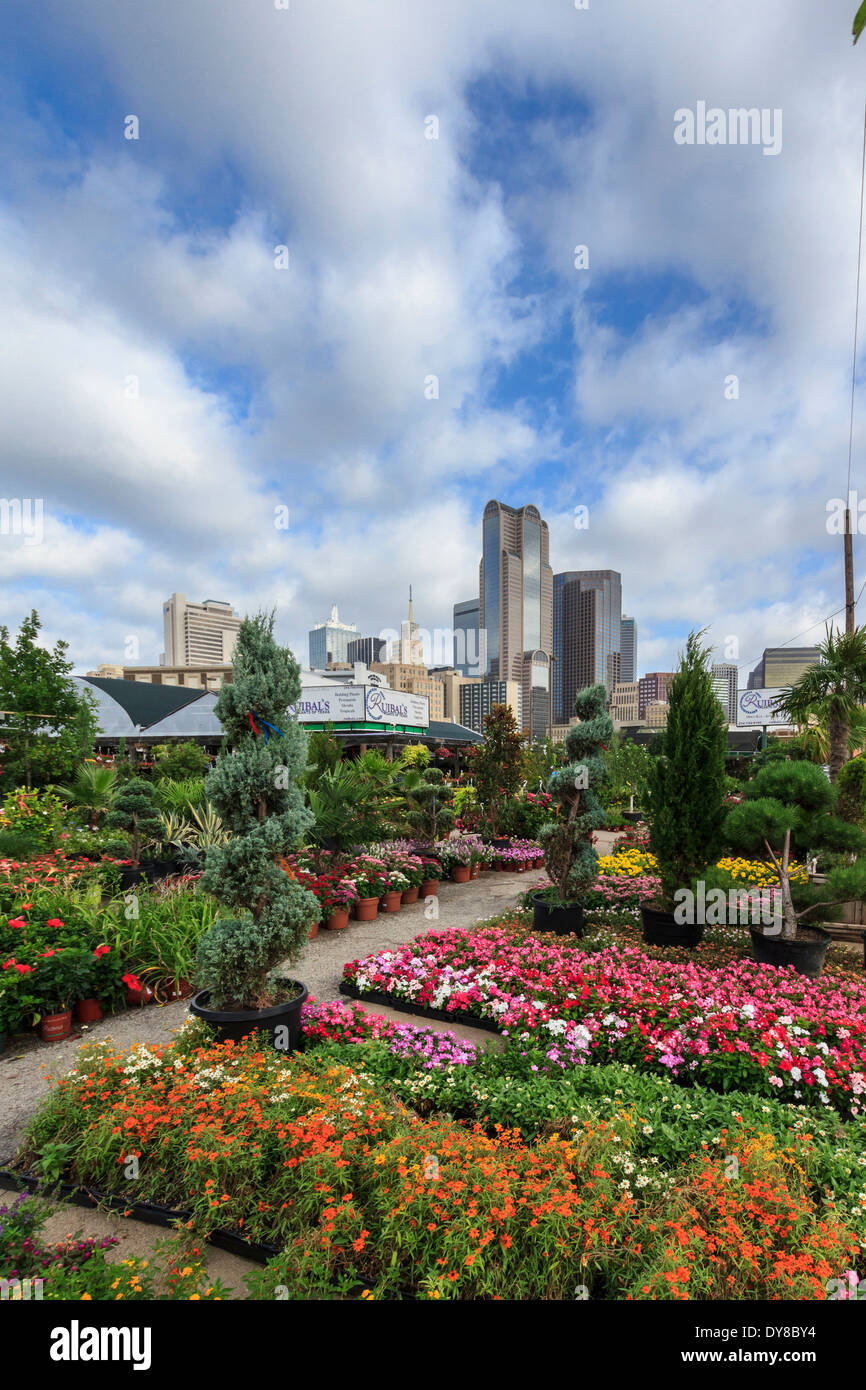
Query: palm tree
[834,687]
[92,791]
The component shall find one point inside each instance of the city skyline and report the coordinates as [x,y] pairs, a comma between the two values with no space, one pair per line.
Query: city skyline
[288,367]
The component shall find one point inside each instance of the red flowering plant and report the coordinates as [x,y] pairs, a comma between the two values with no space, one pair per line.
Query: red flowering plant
[19,1006]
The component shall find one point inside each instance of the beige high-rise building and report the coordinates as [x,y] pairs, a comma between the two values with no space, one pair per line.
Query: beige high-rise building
[515,588]
[624,703]
[656,714]
[198,634]
[196,677]
[452,681]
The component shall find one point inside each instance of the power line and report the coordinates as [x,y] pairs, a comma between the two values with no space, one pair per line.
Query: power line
[856,311]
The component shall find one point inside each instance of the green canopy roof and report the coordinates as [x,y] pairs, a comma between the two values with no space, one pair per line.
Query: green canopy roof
[146,703]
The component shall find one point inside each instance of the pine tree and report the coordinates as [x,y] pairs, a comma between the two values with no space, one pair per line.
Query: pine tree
[254,789]
[570,860]
[686,780]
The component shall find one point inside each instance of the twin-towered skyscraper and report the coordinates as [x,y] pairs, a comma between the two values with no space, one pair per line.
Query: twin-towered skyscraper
[527,621]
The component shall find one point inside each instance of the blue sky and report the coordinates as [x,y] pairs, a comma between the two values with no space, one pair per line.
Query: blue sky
[167,384]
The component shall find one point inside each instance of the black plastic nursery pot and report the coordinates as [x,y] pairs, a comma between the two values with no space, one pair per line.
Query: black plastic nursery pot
[235,1024]
[662,929]
[565,921]
[806,953]
[632,816]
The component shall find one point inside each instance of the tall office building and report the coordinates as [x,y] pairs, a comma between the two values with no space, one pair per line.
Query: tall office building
[477,699]
[780,666]
[329,642]
[730,677]
[366,649]
[515,588]
[624,704]
[587,620]
[470,648]
[198,634]
[653,689]
[536,704]
[628,649]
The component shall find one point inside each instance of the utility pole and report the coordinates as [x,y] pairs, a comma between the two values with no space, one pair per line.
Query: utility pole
[849,572]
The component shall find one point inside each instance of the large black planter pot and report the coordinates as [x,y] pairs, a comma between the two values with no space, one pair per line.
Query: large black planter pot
[661,929]
[565,921]
[806,956]
[237,1023]
[130,877]
[501,842]
[632,816]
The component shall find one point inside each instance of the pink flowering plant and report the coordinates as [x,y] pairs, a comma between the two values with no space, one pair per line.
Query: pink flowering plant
[739,1026]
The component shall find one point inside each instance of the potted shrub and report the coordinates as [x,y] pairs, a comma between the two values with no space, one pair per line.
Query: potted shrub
[135,814]
[685,790]
[19,1005]
[571,861]
[496,766]
[254,789]
[787,809]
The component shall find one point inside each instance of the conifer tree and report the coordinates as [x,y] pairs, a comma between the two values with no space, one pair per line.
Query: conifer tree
[570,860]
[686,780]
[254,788]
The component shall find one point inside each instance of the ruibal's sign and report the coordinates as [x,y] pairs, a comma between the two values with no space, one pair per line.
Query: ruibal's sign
[397,707]
[359,704]
[329,703]
[758,707]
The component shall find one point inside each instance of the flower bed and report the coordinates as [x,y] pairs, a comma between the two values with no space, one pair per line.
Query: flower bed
[637,862]
[740,1025]
[369,1199]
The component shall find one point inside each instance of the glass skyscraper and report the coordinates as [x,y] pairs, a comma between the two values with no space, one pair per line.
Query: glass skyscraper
[515,588]
[587,633]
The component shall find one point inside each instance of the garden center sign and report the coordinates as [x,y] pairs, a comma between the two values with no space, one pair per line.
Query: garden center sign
[756,708]
[364,706]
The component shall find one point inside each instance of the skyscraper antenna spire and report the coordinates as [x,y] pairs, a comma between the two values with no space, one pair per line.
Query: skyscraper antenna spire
[410,604]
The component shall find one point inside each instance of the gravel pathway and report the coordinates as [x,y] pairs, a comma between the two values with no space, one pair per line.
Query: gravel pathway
[26,1067]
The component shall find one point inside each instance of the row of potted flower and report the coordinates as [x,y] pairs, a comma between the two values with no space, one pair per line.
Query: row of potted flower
[65,982]
[385,880]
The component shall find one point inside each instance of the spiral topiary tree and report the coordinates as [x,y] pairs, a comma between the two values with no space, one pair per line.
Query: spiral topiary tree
[254,788]
[570,860]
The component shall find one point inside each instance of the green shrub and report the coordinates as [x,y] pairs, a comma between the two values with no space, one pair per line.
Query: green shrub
[569,857]
[686,778]
[254,790]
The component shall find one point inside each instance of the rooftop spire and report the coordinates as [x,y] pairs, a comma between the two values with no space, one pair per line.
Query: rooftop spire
[410,604]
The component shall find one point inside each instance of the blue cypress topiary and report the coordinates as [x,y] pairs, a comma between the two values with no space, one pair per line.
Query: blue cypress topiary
[570,860]
[254,788]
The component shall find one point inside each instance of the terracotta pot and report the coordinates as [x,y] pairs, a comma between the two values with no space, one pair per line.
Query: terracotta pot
[460,873]
[53,1027]
[410,896]
[429,888]
[136,997]
[475,871]
[391,901]
[313,931]
[338,920]
[366,909]
[539,861]
[88,1011]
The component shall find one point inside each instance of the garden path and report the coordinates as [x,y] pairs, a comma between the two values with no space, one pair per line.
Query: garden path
[26,1067]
